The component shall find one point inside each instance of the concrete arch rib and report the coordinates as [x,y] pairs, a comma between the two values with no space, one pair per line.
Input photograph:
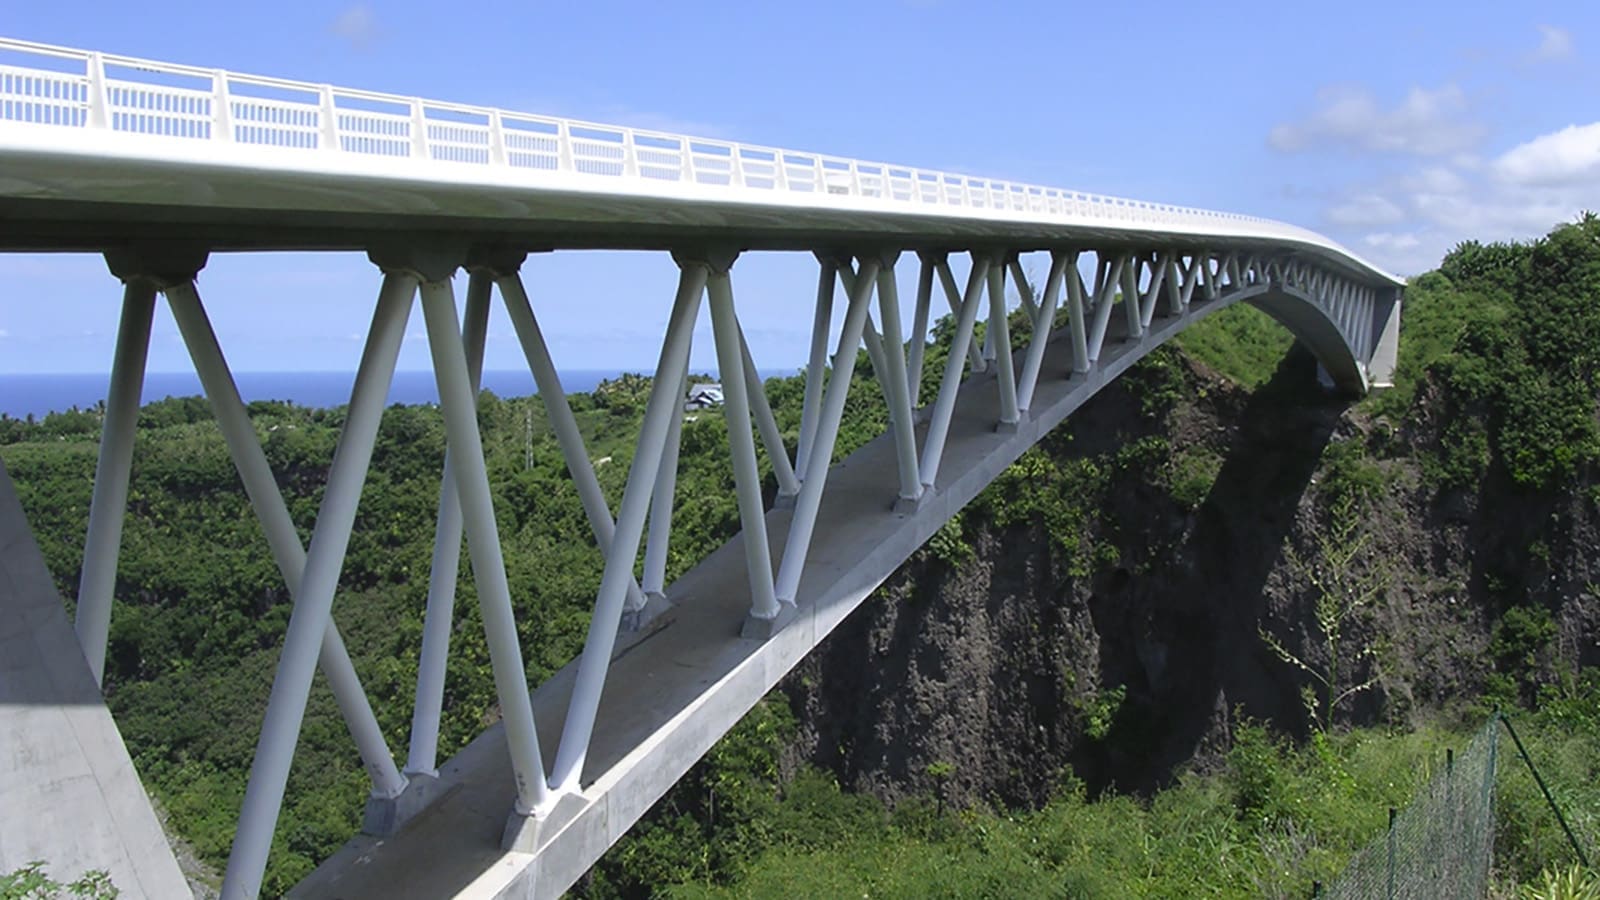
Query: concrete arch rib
[1307,321]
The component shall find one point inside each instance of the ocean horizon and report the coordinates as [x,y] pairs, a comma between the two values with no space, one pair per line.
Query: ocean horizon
[23,395]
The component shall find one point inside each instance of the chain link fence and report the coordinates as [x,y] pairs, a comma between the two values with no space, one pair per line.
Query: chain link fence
[1440,845]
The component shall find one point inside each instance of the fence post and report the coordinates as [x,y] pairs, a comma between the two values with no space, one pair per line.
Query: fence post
[1539,780]
[1391,853]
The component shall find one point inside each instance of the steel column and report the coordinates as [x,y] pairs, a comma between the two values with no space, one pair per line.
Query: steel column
[565,425]
[308,622]
[816,364]
[108,507]
[261,488]
[439,620]
[1174,286]
[1130,297]
[919,328]
[597,647]
[1024,290]
[1042,320]
[1076,297]
[1152,293]
[1000,331]
[900,420]
[459,409]
[741,447]
[1190,281]
[944,407]
[771,437]
[1104,293]
[876,353]
[953,298]
[662,497]
[804,518]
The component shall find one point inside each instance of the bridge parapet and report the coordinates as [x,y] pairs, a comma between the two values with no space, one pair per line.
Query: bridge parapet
[228,117]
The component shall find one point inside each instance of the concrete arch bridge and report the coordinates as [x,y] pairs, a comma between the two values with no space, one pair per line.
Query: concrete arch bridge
[157,166]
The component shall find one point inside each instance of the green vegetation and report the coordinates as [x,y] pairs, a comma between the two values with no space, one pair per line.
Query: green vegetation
[1500,358]
[1271,821]
[1509,336]
[201,609]
[32,882]
[1347,583]
[1242,343]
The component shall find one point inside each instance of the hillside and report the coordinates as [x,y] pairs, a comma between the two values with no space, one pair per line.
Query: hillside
[1101,624]
[1101,621]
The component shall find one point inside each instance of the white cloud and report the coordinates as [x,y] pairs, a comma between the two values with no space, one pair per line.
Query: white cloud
[1392,242]
[1366,211]
[357,24]
[1433,180]
[1555,45]
[1570,156]
[1425,123]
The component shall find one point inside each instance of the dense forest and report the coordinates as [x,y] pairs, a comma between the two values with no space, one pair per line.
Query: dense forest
[1397,566]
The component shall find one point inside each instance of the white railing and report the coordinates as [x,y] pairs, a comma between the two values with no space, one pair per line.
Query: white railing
[55,86]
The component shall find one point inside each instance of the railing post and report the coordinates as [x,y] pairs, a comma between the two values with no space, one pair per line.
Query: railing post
[630,154]
[329,121]
[419,131]
[221,108]
[565,160]
[497,139]
[99,113]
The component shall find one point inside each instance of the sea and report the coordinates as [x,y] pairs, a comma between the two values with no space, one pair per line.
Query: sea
[38,395]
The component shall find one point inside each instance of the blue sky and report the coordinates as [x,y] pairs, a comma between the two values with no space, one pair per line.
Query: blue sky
[1396,128]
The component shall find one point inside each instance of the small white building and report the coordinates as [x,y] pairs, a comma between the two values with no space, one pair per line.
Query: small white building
[703,396]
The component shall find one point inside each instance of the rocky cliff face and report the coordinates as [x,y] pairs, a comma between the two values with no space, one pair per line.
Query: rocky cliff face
[998,661]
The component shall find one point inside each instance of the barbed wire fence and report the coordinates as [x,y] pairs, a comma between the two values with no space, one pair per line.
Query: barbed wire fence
[1439,846]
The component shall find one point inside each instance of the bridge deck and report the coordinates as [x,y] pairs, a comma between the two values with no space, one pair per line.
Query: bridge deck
[675,689]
